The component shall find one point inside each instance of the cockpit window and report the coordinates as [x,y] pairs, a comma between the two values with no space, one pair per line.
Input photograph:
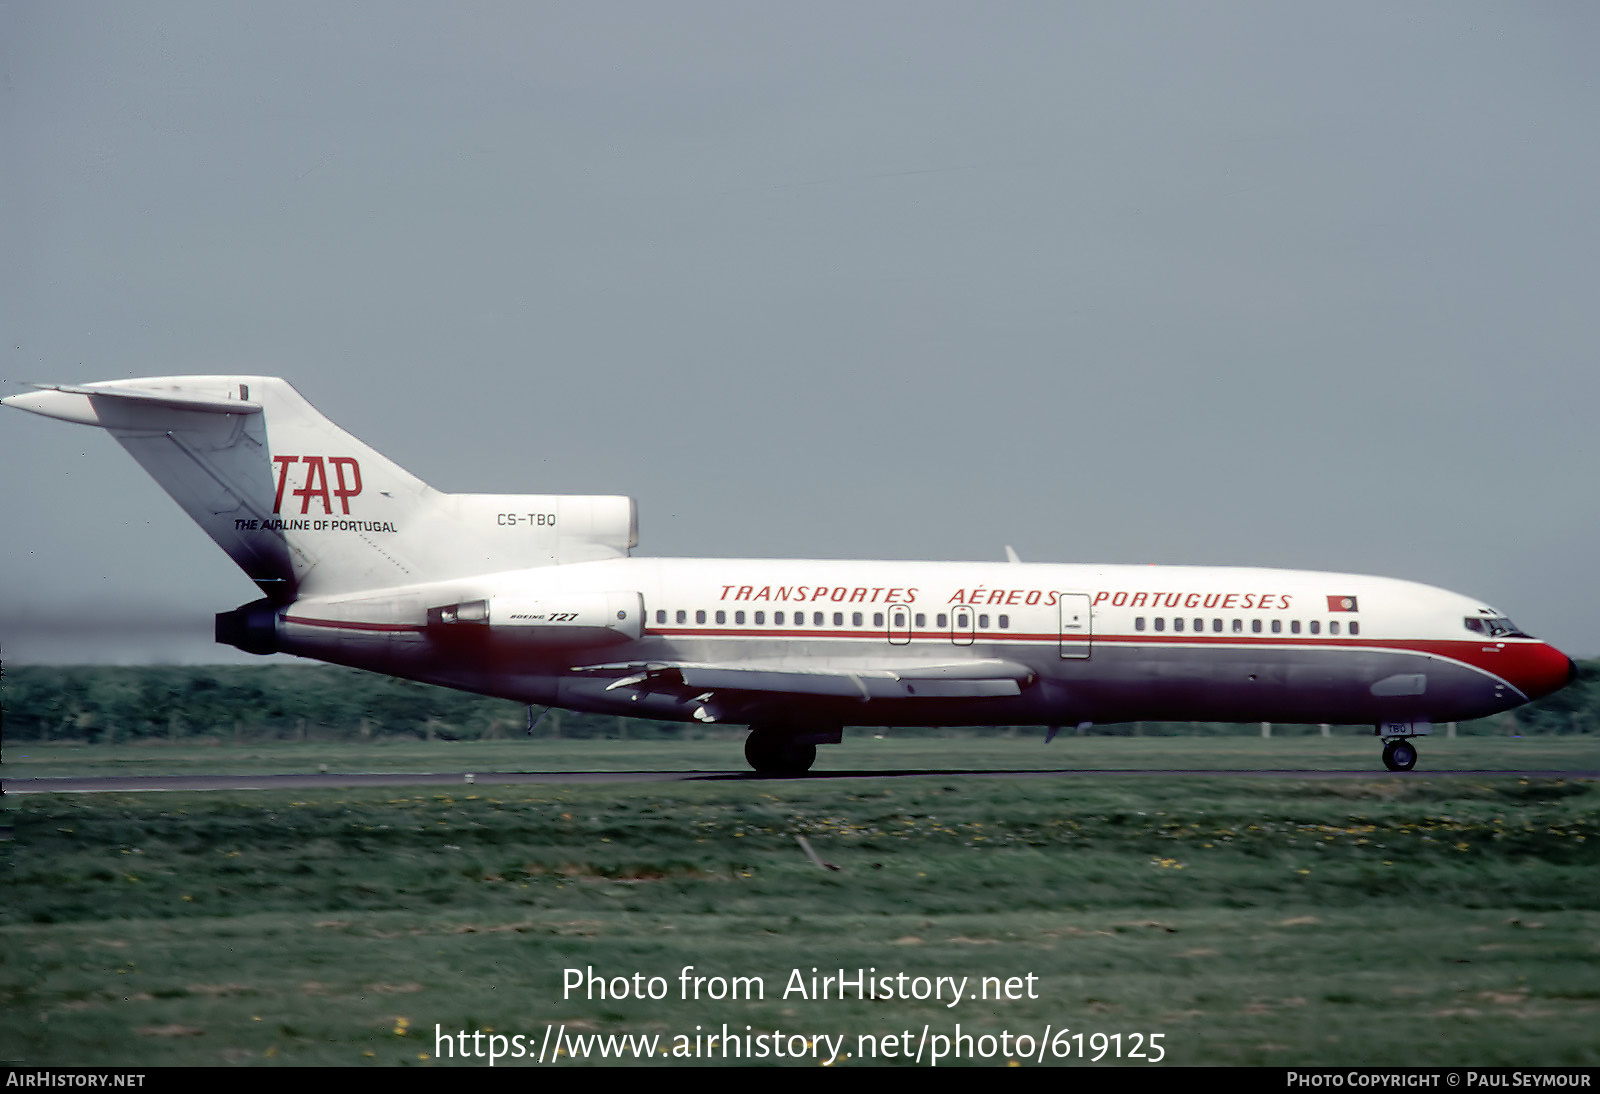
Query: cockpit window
[1497,626]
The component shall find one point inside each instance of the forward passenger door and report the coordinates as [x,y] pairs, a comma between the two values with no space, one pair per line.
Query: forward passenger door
[1077,625]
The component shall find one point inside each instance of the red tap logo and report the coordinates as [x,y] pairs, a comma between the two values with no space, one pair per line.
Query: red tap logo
[346,482]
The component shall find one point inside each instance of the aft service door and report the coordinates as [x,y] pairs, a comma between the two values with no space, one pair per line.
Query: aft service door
[1077,629]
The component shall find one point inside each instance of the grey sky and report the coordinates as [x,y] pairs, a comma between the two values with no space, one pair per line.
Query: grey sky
[1261,284]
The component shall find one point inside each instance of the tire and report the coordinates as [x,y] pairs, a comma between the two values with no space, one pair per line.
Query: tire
[773,753]
[1399,755]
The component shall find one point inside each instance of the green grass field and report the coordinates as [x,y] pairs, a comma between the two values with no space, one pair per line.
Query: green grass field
[862,750]
[1389,920]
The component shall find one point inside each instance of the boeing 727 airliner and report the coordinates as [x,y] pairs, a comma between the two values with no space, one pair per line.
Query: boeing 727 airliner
[536,598]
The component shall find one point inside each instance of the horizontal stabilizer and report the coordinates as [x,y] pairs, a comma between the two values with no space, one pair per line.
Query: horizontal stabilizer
[85,403]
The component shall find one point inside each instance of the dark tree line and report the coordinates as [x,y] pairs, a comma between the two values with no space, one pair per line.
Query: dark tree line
[103,704]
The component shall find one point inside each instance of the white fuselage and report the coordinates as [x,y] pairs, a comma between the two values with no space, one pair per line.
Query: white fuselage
[1098,643]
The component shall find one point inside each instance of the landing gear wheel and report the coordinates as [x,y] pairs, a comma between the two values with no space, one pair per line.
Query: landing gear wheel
[1399,756]
[772,753]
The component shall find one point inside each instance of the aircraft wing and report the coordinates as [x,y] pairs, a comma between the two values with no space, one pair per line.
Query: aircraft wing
[944,680]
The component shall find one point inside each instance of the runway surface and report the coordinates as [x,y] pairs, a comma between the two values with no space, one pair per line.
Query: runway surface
[332,780]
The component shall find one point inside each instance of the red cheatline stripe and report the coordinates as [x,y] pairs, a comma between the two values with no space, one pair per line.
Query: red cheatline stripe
[351,625]
[1467,652]
[881,635]
[1442,647]
[1495,661]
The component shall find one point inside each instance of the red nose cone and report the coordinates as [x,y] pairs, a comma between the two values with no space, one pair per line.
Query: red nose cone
[1538,670]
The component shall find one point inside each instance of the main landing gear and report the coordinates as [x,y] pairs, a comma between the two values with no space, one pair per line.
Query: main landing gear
[789,746]
[773,752]
[1399,755]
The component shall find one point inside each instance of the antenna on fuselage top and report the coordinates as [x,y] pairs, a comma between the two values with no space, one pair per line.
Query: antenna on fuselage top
[1011,555]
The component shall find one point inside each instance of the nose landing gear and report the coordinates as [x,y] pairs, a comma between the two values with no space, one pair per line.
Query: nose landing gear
[1399,755]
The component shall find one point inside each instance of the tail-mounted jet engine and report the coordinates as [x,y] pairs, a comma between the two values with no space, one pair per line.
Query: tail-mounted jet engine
[560,619]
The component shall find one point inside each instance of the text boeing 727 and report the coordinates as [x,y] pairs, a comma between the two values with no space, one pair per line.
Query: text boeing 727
[535,598]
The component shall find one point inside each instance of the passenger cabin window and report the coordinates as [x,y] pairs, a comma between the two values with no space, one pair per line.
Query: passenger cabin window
[722,617]
[1238,626]
[1177,624]
[877,619]
[761,617]
[816,619]
[1355,628]
[699,617]
[983,622]
[1005,622]
[1316,627]
[838,619]
[683,616]
[1294,627]
[661,615]
[1333,627]
[1255,626]
[1161,624]
[1138,622]
[1277,626]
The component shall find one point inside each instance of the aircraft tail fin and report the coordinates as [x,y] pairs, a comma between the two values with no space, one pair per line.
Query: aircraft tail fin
[304,507]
